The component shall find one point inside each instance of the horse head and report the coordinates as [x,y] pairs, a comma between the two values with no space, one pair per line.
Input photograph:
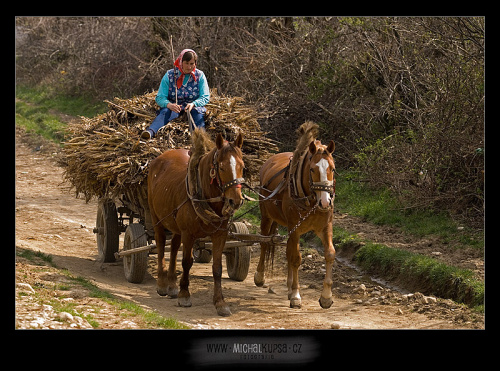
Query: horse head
[322,173]
[228,168]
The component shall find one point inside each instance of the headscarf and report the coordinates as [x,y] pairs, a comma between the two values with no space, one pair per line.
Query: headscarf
[178,64]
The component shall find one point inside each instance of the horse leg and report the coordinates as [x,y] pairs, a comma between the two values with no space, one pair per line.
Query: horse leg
[221,306]
[172,289]
[184,297]
[294,259]
[161,282]
[267,227]
[325,299]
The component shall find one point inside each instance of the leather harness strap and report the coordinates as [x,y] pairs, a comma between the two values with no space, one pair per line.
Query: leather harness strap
[200,204]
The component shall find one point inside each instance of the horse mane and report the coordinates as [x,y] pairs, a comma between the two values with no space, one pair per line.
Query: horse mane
[307,132]
[201,144]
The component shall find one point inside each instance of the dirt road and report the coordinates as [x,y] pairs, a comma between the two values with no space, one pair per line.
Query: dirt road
[52,220]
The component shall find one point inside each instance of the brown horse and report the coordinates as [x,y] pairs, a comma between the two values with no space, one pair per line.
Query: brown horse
[220,172]
[309,168]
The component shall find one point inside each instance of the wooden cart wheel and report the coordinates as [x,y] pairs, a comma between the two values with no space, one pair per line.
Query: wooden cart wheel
[135,265]
[238,258]
[107,230]
[201,255]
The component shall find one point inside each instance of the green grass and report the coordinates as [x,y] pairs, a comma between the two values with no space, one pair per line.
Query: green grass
[36,120]
[49,99]
[412,270]
[151,318]
[37,110]
[422,273]
[250,212]
[380,207]
[35,256]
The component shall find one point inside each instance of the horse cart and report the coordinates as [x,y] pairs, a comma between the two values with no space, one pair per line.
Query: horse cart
[130,214]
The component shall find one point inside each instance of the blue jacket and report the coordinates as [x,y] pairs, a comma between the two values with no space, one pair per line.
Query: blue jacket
[196,92]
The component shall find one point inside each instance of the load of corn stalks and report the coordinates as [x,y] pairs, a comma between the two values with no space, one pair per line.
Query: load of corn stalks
[105,156]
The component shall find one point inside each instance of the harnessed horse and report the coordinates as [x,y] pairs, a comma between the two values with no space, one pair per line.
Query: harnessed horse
[218,194]
[304,187]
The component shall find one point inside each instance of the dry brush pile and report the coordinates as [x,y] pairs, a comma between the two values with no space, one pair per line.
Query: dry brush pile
[104,156]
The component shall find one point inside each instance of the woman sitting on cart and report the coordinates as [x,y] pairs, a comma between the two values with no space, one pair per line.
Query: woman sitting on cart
[185,85]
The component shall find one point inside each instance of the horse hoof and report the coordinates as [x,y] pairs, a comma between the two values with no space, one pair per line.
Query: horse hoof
[295,303]
[172,291]
[259,279]
[325,303]
[162,291]
[223,310]
[184,302]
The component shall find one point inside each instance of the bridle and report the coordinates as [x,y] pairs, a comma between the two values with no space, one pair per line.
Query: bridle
[214,174]
[323,186]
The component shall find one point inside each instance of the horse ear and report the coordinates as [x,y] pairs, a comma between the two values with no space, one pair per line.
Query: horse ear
[331,147]
[312,147]
[239,141]
[219,141]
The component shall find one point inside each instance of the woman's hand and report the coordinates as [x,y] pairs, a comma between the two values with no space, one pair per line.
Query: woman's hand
[189,107]
[174,107]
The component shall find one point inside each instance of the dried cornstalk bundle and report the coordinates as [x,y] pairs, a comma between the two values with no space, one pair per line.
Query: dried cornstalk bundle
[104,156]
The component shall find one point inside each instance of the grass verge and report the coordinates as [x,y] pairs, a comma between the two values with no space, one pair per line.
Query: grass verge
[380,207]
[35,119]
[38,110]
[423,273]
[128,309]
[414,271]
[48,98]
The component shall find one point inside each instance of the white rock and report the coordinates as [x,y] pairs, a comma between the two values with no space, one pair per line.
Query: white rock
[36,323]
[84,324]
[65,316]
[335,326]
[47,307]
[431,299]
[418,296]
[26,287]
